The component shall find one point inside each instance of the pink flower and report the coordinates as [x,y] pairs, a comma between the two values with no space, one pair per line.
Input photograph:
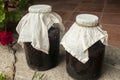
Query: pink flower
[6,38]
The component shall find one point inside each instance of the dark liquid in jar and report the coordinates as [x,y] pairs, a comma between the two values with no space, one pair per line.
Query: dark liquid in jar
[39,60]
[90,70]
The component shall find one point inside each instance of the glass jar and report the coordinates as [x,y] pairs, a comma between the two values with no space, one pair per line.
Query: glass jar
[91,70]
[40,36]
[84,45]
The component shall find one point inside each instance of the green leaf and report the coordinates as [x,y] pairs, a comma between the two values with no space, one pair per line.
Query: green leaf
[1,25]
[1,5]
[24,4]
[41,77]
[14,16]
[2,77]
[2,12]
[34,75]
[12,0]
[2,16]
[18,15]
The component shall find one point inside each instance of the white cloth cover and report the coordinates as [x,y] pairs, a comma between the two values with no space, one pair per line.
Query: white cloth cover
[79,38]
[34,26]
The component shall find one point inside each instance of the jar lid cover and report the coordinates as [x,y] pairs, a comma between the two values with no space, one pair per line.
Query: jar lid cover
[40,8]
[87,20]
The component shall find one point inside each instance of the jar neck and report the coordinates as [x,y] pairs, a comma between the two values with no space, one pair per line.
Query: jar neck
[86,25]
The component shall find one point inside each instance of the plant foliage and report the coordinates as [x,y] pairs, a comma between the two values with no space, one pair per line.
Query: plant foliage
[2,77]
[38,76]
[14,15]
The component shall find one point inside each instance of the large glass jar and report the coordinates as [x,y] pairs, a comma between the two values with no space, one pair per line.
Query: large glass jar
[39,31]
[85,47]
[91,70]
